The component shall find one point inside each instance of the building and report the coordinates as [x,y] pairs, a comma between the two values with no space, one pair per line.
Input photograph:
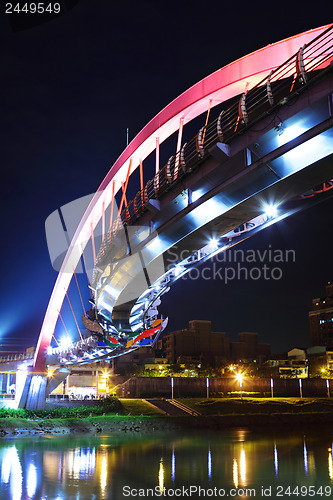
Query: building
[321,319]
[320,359]
[137,357]
[197,344]
[248,348]
[295,366]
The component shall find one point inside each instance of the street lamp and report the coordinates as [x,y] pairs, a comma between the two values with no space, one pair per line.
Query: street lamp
[239,377]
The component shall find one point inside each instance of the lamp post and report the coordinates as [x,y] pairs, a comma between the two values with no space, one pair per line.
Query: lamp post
[207,387]
[328,388]
[240,380]
[300,388]
[272,388]
[171,387]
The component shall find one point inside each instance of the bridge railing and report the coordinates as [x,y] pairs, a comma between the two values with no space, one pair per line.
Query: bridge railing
[273,90]
[16,357]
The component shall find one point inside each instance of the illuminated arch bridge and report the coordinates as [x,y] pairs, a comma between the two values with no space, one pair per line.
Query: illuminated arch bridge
[249,164]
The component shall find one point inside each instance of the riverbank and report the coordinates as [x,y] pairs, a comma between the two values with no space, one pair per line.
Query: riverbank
[141,418]
[111,424]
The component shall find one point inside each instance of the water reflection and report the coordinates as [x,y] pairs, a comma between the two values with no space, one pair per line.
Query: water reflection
[104,474]
[330,464]
[11,472]
[31,480]
[173,465]
[305,455]
[276,460]
[100,467]
[161,476]
[209,464]
[242,471]
[235,472]
[82,462]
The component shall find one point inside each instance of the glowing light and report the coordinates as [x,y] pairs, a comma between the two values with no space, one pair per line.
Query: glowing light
[271,211]
[203,213]
[196,195]
[161,476]
[32,480]
[178,270]
[49,350]
[84,462]
[305,454]
[209,464]
[173,465]
[143,234]
[104,474]
[330,464]
[242,466]
[235,473]
[65,343]
[288,133]
[239,377]
[50,373]
[11,472]
[308,152]
[214,243]
[276,461]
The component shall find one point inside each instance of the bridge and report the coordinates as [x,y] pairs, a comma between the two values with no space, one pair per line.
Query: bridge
[262,152]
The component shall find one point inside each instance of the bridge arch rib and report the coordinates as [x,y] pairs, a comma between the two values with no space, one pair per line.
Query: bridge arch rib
[229,81]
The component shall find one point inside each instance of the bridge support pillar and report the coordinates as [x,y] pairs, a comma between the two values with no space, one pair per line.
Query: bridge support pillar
[30,390]
[4,383]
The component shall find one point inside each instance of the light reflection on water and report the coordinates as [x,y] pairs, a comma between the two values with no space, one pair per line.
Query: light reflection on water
[99,467]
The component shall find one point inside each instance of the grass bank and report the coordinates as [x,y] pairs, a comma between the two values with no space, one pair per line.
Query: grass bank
[137,416]
[261,406]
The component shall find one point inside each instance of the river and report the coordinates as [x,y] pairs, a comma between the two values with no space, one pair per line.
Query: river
[236,463]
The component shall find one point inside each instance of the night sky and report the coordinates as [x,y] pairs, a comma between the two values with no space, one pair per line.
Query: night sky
[70,87]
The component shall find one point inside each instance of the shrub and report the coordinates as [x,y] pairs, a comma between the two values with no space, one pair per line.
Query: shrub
[107,405]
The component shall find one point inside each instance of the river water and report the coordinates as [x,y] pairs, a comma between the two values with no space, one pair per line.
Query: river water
[236,463]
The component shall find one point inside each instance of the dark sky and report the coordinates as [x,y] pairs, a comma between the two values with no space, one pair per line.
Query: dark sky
[70,88]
